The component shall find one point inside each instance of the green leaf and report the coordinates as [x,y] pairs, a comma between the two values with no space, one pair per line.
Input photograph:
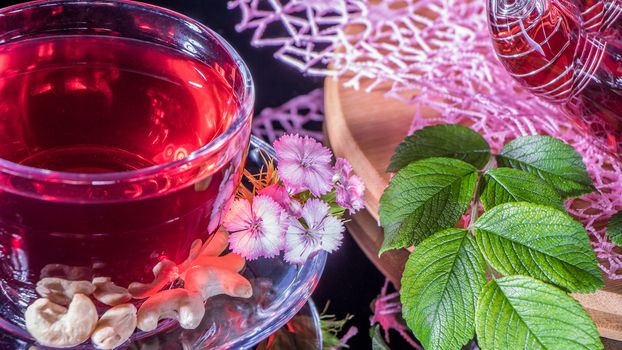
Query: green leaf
[539,241]
[423,198]
[377,342]
[445,140]
[552,160]
[440,285]
[614,228]
[505,185]
[520,312]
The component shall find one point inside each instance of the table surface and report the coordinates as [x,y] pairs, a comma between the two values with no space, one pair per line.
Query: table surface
[350,282]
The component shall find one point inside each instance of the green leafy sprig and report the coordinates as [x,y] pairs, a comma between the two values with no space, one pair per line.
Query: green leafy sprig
[503,276]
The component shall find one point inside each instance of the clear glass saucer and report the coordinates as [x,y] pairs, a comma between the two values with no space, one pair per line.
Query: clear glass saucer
[280,291]
[302,332]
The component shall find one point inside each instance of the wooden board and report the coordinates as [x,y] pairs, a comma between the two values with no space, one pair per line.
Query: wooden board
[365,128]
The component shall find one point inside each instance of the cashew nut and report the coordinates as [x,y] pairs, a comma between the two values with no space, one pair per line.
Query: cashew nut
[211,280]
[195,249]
[179,304]
[61,291]
[164,272]
[231,261]
[115,327]
[56,326]
[216,244]
[109,293]
[72,273]
[209,255]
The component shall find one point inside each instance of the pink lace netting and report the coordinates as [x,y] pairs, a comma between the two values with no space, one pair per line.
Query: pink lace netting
[371,42]
[442,49]
[293,117]
[303,31]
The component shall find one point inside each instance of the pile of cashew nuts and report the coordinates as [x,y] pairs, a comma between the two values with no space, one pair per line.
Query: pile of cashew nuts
[66,316]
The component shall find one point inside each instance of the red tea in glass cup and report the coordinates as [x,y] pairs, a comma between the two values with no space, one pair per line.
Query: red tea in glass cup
[123,134]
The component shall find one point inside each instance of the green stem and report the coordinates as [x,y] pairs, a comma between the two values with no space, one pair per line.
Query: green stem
[491,271]
[475,204]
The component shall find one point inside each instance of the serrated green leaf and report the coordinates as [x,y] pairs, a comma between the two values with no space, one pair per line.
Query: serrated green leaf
[423,198]
[520,312]
[614,228]
[539,241]
[377,342]
[440,285]
[505,185]
[552,160]
[445,140]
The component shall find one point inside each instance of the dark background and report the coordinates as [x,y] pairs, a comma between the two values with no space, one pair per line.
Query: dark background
[350,282]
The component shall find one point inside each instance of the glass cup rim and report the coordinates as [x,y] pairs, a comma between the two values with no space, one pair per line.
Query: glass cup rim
[247,100]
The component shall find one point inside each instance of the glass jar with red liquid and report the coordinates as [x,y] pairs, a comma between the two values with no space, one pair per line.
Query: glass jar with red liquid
[123,134]
[564,52]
